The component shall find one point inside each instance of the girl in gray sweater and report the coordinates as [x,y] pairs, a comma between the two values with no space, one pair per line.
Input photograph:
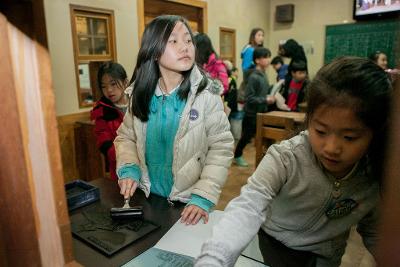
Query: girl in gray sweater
[308,191]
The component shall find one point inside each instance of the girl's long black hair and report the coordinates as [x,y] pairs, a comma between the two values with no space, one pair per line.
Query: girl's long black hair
[204,48]
[147,72]
[361,85]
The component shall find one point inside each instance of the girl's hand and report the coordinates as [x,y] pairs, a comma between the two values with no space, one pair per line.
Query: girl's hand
[191,214]
[128,187]
[227,110]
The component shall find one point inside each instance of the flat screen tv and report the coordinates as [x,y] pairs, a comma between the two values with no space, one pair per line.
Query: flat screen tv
[376,9]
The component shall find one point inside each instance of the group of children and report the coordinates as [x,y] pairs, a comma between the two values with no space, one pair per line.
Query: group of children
[173,139]
[259,97]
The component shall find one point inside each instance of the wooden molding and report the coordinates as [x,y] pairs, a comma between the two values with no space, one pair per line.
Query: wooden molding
[201,5]
[195,3]
[140,16]
[70,119]
[205,19]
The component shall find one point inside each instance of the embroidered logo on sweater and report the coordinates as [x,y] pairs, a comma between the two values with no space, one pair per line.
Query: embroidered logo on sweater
[340,208]
[193,115]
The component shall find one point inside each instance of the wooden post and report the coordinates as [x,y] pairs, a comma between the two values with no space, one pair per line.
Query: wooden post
[34,222]
[389,246]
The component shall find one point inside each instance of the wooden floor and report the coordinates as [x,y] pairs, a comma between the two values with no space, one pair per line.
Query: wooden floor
[356,255]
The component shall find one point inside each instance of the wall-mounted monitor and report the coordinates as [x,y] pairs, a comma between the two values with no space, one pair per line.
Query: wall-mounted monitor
[375,9]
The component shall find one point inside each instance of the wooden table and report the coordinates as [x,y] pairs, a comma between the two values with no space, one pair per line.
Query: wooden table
[155,209]
[298,117]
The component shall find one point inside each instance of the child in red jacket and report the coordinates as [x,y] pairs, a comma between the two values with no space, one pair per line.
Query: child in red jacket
[209,60]
[109,111]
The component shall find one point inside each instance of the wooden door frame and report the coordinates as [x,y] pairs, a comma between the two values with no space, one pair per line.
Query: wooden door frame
[34,222]
[194,3]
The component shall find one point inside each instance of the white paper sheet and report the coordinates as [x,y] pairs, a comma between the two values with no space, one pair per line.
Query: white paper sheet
[188,239]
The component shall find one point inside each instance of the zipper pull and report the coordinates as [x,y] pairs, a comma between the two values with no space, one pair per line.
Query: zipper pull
[170,203]
[336,193]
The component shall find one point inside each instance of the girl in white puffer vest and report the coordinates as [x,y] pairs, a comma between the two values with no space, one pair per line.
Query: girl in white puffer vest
[175,139]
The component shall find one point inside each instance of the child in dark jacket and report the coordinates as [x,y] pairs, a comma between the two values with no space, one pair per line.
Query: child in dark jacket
[109,111]
[295,84]
[293,50]
[257,100]
[231,96]
[280,67]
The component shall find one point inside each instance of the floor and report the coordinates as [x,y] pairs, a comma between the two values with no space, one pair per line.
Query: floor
[356,254]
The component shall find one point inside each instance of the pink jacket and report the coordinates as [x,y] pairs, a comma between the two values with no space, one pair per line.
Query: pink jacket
[217,70]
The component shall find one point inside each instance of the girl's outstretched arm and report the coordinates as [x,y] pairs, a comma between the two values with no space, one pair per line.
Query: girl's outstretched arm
[245,214]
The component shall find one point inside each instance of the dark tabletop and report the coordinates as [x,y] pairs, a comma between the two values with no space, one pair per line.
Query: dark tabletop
[156,209]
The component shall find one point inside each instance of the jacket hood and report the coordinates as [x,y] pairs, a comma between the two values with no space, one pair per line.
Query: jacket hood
[244,50]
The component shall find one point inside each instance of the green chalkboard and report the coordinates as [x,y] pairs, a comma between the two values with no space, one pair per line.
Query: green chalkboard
[362,39]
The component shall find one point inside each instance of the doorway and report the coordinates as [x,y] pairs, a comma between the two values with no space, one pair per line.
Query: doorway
[193,10]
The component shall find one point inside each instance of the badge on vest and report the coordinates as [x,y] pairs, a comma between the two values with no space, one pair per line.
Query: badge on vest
[340,208]
[193,114]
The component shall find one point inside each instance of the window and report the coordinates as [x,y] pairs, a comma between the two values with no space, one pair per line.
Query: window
[94,42]
[227,44]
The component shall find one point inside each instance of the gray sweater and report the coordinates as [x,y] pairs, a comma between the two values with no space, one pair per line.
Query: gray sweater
[288,196]
[257,89]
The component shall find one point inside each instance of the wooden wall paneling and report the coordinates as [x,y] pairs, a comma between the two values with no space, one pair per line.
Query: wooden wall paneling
[66,129]
[34,222]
